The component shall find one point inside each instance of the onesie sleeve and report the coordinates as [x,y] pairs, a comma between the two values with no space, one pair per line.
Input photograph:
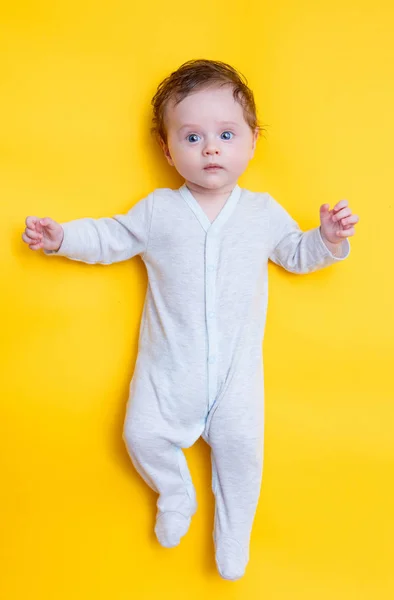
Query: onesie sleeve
[109,239]
[299,251]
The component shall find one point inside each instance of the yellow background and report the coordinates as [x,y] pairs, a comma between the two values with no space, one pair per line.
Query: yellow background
[77,79]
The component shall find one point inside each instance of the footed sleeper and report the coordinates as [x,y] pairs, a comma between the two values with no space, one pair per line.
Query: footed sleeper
[199,369]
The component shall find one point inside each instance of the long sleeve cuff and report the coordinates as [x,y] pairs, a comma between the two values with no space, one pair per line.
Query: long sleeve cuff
[60,251]
[343,248]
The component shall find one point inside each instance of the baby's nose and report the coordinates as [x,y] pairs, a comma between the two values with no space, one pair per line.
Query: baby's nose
[211,149]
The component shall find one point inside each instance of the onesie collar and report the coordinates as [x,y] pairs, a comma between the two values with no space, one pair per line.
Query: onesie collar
[222,217]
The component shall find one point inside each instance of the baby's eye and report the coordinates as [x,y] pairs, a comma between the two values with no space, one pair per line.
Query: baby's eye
[193,138]
[227,135]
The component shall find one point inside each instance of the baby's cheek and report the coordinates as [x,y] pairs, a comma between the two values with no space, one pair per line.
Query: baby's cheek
[240,160]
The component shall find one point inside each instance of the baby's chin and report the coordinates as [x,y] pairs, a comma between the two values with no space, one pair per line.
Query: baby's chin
[213,181]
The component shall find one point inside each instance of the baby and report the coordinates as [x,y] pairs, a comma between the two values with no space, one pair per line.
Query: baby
[206,245]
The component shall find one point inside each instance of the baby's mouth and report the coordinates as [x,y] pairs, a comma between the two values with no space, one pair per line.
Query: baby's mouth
[212,167]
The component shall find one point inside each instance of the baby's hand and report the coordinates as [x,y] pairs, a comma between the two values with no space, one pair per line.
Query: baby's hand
[43,234]
[338,223]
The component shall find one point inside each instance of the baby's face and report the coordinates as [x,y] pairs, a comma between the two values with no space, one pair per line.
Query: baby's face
[209,128]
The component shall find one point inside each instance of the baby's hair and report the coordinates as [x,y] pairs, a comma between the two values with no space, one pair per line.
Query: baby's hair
[194,75]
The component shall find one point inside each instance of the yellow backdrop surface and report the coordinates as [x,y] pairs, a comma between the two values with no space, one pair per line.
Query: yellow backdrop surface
[77,79]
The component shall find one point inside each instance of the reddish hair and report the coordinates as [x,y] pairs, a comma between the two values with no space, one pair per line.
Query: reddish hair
[195,75]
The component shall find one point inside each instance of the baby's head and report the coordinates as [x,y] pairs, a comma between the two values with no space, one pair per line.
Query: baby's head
[205,114]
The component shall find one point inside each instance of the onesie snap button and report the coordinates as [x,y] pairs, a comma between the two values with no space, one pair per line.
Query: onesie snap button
[211,268]
[211,314]
[212,360]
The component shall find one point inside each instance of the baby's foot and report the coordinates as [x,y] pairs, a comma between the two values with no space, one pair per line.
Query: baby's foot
[231,559]
[170,527]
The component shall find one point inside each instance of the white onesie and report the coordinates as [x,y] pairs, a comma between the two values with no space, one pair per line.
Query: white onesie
[199,370]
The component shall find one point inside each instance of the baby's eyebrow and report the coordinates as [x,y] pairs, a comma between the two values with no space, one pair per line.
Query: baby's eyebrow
[189,126]
[228,123]
[221,124]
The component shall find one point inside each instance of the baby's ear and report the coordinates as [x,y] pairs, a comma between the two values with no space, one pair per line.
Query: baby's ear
[255,137]
[166,151]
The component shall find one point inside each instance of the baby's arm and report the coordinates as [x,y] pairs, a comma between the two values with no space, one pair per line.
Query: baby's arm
[104,241]
[298,251]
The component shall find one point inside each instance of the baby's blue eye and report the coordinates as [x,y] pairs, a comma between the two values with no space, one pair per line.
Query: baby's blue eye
[193,138]
[227,135]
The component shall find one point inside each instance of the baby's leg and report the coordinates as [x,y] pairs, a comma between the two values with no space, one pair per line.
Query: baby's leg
[236,436]
[162,465]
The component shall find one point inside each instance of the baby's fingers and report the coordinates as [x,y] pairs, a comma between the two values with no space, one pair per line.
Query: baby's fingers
[36,246]
[350,221]
[344,233]
[33,234]
[50,224]
[341,204]
[33,244]
[344,212]
[31,222]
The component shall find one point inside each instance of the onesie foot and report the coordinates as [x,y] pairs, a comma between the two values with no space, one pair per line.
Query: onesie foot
[231,560]
[170,527]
